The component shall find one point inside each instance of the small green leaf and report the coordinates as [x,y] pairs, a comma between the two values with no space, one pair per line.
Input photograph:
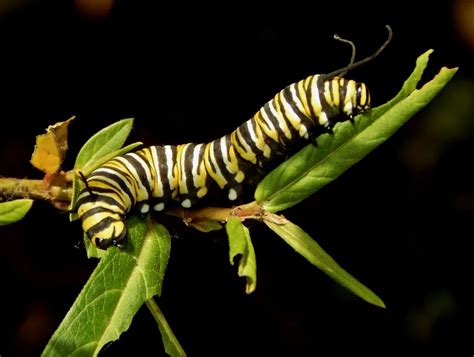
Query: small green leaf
[317,165]
[14,211]
[103,143]
[241,244]
[300,241]
[171,343]
[118,287]
[92,165]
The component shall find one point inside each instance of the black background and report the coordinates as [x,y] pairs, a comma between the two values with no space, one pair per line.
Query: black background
[400,220]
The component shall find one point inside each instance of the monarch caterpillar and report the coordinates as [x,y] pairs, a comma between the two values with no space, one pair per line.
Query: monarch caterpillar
[153,177]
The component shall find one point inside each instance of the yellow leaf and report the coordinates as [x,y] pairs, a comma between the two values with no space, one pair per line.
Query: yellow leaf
[50,148]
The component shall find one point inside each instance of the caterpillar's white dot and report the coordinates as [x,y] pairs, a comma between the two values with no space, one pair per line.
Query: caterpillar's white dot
[145,208]
[159,207]
[186,203]
[232,194]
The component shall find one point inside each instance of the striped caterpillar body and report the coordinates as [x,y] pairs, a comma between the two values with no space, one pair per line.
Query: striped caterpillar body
[188,174]
[154,177]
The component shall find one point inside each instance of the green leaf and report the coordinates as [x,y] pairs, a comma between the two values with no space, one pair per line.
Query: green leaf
[99,161]
[172,346]
[104,142]
[14,211]
[241,244]
[300,241]
[317,165]
[118,287]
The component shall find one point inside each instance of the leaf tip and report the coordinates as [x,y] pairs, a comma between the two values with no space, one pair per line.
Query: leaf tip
[379,303]
[128,121]
[250,287]
[373,299]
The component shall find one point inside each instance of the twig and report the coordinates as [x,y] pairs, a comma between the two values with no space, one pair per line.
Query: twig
[13,188]
[59,195]
[220,214]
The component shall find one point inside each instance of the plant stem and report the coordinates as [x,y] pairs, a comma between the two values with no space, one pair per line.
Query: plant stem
[250,210]
[13,188]
[60,195]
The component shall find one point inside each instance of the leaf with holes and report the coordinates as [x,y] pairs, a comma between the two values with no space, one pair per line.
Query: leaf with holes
[241,245]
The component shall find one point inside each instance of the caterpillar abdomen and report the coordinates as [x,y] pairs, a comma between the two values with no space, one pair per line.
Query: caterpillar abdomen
[186,174]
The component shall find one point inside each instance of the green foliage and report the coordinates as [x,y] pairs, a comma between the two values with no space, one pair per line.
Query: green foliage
[103,143]
[317,165]
[300,241]
[125,279]
[241,244]
[172,346]
[14,211]
[118,287]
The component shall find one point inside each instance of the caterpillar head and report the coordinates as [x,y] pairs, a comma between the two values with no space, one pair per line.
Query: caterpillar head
[115,234]
[356,98]
[361,99]
[104,226]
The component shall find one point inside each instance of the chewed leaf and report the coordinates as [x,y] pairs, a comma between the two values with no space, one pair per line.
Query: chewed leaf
[241,245]
[50,149]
